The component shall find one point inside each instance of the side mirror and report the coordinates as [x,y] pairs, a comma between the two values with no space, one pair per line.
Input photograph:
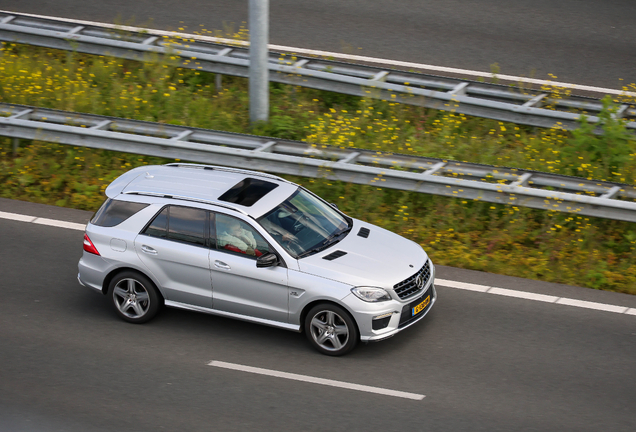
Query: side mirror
[267,260]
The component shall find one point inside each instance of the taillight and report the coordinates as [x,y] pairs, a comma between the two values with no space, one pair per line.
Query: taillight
[89,246]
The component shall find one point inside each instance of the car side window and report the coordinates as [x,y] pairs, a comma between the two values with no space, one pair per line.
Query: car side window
[212,229]
[114,212]
[182,224]
[187,224]
[159,225]
[235,236]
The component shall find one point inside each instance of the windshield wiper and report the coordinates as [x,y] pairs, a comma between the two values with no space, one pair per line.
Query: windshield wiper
[313,250]
[332,239]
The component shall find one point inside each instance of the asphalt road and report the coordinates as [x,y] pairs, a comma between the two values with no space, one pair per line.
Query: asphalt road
[587,42]
[484,362]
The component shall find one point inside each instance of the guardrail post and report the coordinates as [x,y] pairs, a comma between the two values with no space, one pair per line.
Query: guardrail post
[218,82]
[259,71]
[16,143]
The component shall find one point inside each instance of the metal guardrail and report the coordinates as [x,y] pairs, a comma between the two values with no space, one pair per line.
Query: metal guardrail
[499,102]
[510,186]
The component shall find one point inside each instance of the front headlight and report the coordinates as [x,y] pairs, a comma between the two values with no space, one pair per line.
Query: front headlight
[370,294]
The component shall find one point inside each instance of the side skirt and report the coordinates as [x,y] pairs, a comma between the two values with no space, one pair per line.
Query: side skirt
[266,322]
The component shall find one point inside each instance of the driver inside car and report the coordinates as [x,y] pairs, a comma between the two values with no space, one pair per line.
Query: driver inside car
[277,230]
[235,238]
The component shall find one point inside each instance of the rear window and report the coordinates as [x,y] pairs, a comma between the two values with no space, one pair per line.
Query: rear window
[248,191]
[114,212]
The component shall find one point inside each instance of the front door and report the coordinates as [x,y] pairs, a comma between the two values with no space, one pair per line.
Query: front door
[239,286]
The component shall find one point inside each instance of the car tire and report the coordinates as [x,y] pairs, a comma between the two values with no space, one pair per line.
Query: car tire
[331,329]
[134,297]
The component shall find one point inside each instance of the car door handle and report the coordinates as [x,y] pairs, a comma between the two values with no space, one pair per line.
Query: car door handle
[221,265]
[148,250]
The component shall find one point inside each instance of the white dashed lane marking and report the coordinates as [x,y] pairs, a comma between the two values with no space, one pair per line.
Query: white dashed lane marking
[314,380]
[441,282]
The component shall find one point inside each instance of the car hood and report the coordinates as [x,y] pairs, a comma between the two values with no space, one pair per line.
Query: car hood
[382,259]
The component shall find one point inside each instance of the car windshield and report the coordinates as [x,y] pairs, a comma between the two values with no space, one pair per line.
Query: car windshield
[304,224]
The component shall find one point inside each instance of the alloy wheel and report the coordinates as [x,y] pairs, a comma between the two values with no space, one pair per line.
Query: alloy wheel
[131,298]
[329,330]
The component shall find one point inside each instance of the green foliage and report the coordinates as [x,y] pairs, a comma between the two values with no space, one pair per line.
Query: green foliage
[465,233]
[611,152]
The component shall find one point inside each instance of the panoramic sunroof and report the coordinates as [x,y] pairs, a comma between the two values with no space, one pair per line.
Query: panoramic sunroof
[248,191]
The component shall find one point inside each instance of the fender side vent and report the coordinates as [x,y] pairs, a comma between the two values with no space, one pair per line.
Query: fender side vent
[364,232]
[332,256]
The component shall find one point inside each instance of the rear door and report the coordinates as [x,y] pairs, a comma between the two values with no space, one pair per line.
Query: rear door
[175,249]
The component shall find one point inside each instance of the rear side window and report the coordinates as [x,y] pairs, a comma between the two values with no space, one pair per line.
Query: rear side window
[182,224]
[114,212]
[159,225]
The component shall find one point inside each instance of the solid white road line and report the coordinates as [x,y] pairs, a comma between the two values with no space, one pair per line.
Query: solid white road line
[441,282]
[60,224]
[295,50]
[523,295]
[314,380]
[462,285]
[17,217]
[536,297]
[592,305]
[42,221]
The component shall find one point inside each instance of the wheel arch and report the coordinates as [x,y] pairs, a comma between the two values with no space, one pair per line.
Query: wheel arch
[113,273]
[316,302]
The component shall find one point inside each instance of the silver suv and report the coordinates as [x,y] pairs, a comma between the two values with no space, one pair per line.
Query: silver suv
[256,247]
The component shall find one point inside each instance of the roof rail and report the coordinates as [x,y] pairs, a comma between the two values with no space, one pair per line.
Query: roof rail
[186,198]
[234,170]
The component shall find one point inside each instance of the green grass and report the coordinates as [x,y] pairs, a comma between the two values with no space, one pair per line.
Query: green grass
[536,244]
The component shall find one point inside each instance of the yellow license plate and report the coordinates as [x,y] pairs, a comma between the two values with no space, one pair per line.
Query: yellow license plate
[420,307]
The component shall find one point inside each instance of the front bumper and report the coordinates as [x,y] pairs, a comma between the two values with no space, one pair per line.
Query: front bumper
[401,315]
[405,318]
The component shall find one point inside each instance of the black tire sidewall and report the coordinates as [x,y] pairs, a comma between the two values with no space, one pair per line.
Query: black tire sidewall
[348,319]
[153,296]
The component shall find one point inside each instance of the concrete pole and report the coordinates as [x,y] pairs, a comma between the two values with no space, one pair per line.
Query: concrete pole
[259,72]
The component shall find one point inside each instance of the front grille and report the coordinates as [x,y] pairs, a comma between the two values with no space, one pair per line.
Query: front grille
[412,285]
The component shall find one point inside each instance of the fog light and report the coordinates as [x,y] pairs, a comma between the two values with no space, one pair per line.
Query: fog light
[381,321]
